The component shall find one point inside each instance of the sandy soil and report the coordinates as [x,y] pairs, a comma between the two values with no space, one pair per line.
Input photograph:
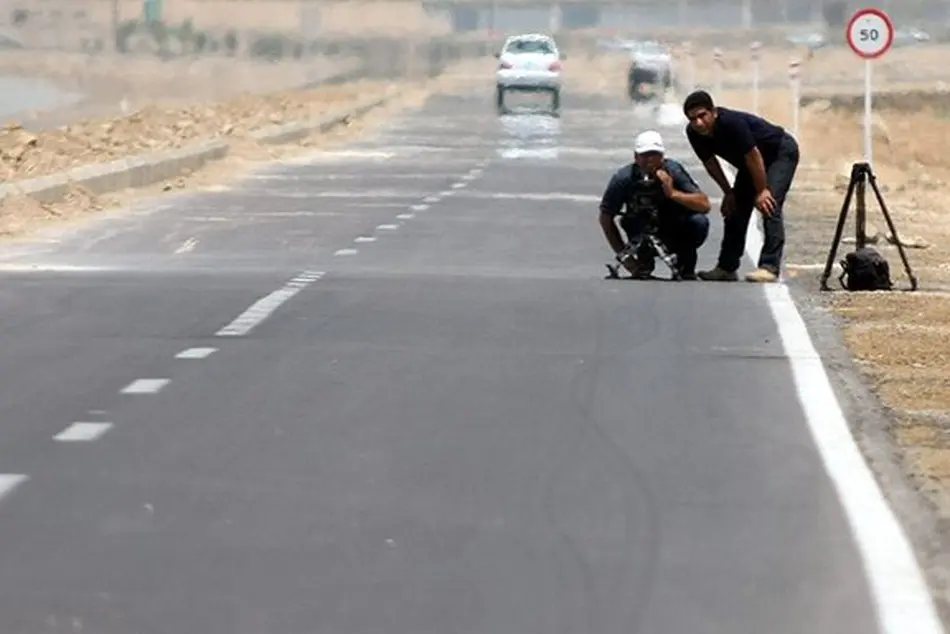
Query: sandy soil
[901,340]
[25,154]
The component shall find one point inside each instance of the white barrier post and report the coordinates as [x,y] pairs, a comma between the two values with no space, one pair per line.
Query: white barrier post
[690,66]
[718,68]
[795,84]
[870,35]
[755,48]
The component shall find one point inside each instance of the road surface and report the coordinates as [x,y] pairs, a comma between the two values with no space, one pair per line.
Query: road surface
[386,390]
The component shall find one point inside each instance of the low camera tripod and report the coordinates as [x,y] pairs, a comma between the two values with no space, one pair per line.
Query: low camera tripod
[861,176]
[655,247]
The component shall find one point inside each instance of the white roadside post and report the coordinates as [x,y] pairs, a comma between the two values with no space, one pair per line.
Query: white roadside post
[718,68]
[690,66]
[870,35]
[795,84]
[755,47]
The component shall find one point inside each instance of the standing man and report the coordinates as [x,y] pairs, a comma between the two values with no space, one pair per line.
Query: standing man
[765,157]
[682,220]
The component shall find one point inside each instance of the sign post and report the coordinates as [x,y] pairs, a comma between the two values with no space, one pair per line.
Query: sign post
[756,48]
[870,35]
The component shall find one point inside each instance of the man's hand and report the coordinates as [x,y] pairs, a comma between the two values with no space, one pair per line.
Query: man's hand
[728,203]
[765,202]
[666,181]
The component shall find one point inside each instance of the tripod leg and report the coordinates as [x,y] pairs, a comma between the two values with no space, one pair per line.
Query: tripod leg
[893,230]
[660,249]
[833,251]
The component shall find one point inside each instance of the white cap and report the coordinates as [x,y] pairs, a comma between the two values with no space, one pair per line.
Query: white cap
[649,141]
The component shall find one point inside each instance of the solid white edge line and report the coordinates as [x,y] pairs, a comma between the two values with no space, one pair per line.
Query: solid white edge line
[10,481]
[900,592]
[82,432]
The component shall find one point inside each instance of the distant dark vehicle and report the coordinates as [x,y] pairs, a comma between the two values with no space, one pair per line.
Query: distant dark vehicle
[650,73]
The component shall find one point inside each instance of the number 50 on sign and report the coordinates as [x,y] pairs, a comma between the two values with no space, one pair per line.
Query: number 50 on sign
[870,33]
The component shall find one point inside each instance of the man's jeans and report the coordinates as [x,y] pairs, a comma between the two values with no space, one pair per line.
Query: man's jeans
[779,176]
[682,235]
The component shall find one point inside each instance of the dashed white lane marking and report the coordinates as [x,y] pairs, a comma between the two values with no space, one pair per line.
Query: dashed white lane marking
[145,386]
[430,199]
[196,353]
[419,207]
[187,245]
[406,216]
[346,252]
[265,306]
[10,481]
[901,596]
[447,193]
[387,227]
[458,185]
[82,432]
[365,239]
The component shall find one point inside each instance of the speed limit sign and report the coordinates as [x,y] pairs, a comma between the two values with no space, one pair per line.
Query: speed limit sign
[870,33]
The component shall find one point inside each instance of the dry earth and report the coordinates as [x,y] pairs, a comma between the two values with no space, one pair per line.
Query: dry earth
[900,340]
[25,154]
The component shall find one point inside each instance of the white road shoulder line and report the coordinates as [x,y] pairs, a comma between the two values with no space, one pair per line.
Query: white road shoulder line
[902,599]
[265,306]
[82,432]
[196,353]
[10,481]
[145,386]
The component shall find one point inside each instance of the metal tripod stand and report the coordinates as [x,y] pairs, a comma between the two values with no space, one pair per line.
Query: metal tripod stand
[861,176]
[655,246]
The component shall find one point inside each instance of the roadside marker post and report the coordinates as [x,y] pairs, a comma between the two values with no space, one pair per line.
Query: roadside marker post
[755,48]
[795,83]
[719,67]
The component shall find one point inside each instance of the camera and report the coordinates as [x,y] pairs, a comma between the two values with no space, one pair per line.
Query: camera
[647,198]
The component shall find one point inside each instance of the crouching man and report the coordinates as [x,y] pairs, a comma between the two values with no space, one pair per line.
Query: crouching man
[682,223]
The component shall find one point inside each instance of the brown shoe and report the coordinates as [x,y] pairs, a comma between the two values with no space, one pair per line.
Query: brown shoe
[718,275]
[763,276]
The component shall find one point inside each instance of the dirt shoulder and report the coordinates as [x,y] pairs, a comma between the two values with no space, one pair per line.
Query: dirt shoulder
[25,154]
[900,342]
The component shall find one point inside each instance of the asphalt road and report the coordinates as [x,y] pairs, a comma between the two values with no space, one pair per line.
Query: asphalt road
[446,421]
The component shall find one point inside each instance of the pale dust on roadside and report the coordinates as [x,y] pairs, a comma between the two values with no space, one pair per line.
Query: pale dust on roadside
[900,340]
[27,155]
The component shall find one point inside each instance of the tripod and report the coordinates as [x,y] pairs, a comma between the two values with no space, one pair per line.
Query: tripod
[655,246]
[861,175]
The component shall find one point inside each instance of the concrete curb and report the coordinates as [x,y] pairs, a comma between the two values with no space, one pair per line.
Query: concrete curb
[134,171]
[151,168]
[295,130]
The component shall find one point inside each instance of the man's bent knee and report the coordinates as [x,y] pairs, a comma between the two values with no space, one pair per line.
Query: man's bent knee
[698,227]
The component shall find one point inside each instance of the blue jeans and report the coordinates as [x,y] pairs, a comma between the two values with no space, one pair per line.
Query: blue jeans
[682,234]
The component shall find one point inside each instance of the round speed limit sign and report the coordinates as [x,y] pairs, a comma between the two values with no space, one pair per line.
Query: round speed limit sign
[870,33]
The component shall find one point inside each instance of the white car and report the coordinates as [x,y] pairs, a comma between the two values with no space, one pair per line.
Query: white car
[529,63]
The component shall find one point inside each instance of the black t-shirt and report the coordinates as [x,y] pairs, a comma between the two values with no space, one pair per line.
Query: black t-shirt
[619,193]
[734,136]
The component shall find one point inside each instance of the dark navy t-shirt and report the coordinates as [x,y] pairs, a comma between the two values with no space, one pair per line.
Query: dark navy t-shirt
[734,136]
[619,192]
